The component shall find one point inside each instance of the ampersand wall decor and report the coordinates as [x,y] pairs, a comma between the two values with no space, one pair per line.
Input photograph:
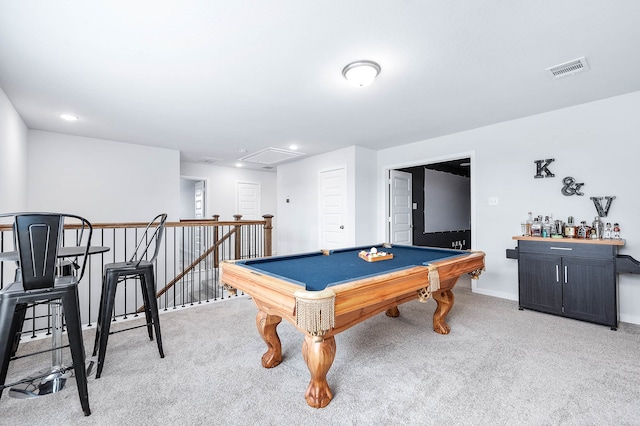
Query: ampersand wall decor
[571,187]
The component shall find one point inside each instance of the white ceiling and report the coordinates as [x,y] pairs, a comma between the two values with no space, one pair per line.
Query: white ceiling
[210,78]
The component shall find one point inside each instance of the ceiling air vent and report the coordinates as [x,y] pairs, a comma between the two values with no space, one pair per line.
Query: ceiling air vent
[271,156]
[208,160]
[568,68]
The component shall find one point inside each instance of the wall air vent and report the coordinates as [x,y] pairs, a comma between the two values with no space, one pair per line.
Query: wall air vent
[208,160]
[271,156]
[568,68]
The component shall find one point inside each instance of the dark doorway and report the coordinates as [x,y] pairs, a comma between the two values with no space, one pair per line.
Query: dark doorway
[441,213]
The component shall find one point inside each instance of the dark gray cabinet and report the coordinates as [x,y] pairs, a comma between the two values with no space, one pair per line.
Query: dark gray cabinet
[569,278]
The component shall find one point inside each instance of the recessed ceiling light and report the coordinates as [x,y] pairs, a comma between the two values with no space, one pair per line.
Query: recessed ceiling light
[293,147]
[238,164]
[69,117]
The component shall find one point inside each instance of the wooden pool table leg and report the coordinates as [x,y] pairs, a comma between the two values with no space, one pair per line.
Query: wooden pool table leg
[393,312]
[445,303]
[267,327]
[318,353]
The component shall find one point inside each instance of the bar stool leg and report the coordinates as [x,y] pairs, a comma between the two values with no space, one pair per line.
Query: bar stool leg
[107,308]
[145,297]
[96,342]
[76,343]
[8,329]
[150,286]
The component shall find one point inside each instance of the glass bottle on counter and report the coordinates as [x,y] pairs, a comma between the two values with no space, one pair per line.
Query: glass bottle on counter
[570,228]
[546,228]
[583,230]
[536,227]
[528,224]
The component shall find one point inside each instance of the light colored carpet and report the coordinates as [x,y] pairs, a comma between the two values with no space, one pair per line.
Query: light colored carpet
[498,366]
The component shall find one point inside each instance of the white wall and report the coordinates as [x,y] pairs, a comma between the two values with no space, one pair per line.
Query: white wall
[221,183]
[221,187]
[13,158]
[298,181]
[187,197]
[298,219]
[104,181]
[595,143]
[365,185]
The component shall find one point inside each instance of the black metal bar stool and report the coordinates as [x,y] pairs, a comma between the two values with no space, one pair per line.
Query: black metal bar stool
[37,239]
[137,268]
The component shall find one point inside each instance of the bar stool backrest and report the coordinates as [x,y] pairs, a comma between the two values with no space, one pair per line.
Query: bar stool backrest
[152,235]
[38,239]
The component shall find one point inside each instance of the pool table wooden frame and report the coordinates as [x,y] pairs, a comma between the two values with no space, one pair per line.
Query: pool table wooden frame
[355,301]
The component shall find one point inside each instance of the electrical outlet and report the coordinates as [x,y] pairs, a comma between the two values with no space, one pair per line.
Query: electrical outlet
[493,201]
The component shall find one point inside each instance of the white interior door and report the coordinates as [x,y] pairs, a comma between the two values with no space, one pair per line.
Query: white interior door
[249,205]
[400,206]
[249,196]
[333,208]
[196,232]
[199,198]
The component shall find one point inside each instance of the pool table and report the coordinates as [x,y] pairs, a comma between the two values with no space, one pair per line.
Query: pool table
[324,293]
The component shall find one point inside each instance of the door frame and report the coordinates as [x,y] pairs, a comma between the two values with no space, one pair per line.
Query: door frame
[431,160]
[345,208]
[206,190]
[391,222]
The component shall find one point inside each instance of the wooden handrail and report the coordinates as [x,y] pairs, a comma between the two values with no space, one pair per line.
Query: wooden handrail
[236,225]
[182,223]
[208,240]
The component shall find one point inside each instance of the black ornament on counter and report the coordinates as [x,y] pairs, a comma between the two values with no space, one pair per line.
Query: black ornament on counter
[597,201]
[571,187]
[542,168]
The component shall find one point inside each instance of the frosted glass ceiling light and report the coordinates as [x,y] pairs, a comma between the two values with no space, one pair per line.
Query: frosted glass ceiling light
[69,117]
[361,73]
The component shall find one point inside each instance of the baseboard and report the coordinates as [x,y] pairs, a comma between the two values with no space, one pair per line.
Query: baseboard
[493,293]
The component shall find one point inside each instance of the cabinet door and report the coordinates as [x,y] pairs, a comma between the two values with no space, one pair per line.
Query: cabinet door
[540,286]
[590,290]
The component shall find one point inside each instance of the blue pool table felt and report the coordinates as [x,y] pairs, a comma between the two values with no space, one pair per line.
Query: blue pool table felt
[316,271]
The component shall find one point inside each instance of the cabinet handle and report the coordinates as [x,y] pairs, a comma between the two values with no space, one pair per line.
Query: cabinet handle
[561,248]
[557,274]
[565,274]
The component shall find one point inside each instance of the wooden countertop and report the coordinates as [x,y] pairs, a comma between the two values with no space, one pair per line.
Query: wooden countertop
[610,242]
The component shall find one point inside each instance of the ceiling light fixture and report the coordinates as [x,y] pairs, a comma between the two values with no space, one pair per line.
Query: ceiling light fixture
[69,117]
[361,73]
